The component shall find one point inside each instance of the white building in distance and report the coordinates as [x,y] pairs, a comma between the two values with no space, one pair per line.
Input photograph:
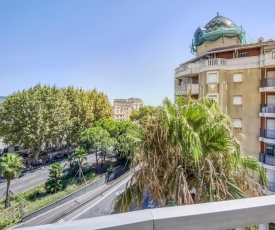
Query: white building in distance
[122,108]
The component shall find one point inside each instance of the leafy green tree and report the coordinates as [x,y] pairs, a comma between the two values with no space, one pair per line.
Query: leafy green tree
[102,107]
[140,116]
[98,140]
[119,132]
[80,155]
[10,166]
[43,116]
[187,148]
[53,183]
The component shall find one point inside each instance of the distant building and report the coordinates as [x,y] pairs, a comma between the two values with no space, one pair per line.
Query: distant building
[2,99]
[2,145]
[122,108]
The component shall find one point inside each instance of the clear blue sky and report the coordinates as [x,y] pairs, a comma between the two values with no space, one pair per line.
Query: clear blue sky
[124,48]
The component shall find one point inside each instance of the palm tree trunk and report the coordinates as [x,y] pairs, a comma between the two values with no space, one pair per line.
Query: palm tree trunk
[80,169]
[7,202]
[96,159]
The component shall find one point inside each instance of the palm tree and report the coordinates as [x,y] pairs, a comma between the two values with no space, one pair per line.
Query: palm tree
[80,155]
[10,166]
[187,154]
[54,182]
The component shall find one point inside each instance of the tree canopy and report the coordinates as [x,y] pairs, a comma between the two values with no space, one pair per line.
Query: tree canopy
[142,114]
[48,115]
[120,132]
[187,154]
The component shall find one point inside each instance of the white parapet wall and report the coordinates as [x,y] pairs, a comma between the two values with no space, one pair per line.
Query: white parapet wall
[207,216]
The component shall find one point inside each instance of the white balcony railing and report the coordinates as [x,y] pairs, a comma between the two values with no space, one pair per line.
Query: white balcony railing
[269,58]
[226,64]
[208,216]
[186,89]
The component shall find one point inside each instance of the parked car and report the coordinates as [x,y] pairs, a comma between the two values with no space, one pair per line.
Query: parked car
[110,155]
[22,173]
[23,154]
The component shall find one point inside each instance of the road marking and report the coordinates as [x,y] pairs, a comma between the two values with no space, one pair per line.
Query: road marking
[3,186]
[99,200]
[44,172]
[36,180]
[17,187]
[28,177]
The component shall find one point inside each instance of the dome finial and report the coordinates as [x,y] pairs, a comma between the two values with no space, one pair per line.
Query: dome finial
[218,14]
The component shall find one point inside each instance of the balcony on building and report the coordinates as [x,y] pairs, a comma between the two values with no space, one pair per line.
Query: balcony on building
[267,136]
[201,65]
[267,160]
[185,86]
[269,57]
[267,110]
[267,85]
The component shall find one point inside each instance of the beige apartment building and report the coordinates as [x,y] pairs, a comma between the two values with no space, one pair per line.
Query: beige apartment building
[122,108]
[240,75]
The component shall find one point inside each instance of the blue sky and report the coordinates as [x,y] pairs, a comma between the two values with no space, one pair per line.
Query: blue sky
[124,48]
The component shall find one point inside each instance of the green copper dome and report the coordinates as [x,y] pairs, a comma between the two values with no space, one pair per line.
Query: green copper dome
[219,27]
[219,22]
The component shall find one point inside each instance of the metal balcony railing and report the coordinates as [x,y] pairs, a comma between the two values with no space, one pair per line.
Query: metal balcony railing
[271,186]
[186,89]
[270,108]
[268,82]
[269,160]
[267,133]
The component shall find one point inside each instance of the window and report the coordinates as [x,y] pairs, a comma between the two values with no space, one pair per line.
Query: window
[244,54]
[238,77]
[237,123]
[212,78]
[184,81]
[214,96]
[270,149]
[237,100]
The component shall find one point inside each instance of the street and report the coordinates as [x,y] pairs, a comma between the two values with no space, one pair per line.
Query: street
[34,178]
[100,206]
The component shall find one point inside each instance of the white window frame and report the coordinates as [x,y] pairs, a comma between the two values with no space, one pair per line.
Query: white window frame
[215,96]
[237,100]
[237,123]
[209,80]
[237,77]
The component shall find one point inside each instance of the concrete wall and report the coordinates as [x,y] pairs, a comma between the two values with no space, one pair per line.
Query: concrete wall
[249,110]
[221,42]
[208,216]
[226,89]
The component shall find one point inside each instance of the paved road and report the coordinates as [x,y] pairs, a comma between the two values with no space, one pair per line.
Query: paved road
[34,178]
[101,201]
[100,206]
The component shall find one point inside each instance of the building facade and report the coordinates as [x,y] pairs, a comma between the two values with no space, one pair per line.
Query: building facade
[2,145]
[240,75]
[122,108]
